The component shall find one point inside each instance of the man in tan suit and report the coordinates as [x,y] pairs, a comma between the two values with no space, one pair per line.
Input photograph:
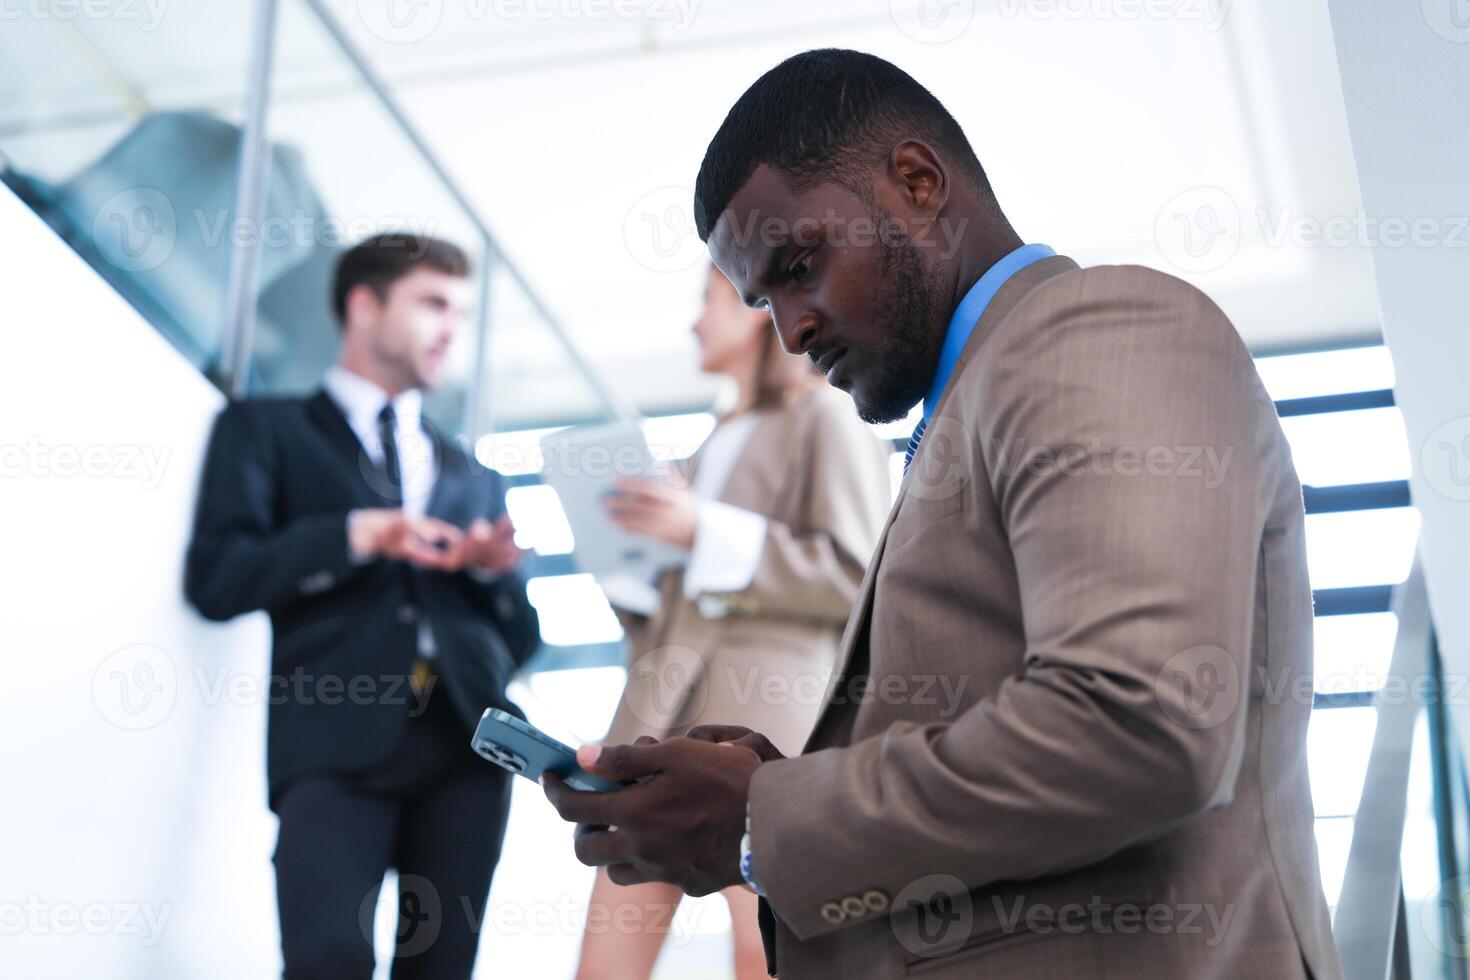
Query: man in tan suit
[1099,542]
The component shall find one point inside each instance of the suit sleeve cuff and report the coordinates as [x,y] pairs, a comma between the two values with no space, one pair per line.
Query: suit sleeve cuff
[728,542]
[815,881]
[325,554]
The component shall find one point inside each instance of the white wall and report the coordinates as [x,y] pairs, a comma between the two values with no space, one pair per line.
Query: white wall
[1405,69]
[134,837]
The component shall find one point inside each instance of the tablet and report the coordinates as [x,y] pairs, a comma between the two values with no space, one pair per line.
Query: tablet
[583,465]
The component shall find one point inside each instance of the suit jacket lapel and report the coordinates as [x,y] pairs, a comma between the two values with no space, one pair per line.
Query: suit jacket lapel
[854,629]
[334,423]
[350,452]
[449,467]
[1007,299]
[354,457]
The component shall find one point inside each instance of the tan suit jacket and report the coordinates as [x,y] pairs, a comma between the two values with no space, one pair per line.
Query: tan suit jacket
[762,657]
[1082,748]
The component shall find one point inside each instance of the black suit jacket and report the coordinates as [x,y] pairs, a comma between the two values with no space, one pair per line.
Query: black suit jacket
[270,533]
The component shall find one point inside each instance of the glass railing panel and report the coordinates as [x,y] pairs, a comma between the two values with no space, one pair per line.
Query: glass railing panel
[533,378]
[123,132]
[1436,894]
[347,170]
[126,134]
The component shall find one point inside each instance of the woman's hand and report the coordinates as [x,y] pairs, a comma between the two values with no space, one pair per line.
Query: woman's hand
[658,510]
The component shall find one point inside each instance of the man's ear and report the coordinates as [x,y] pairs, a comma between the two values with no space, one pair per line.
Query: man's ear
[919,176]
[361,306]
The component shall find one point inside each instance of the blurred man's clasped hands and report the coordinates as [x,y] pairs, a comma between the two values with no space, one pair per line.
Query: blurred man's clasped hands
[428,542]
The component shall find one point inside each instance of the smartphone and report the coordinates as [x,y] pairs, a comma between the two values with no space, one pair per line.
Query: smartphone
[522,748]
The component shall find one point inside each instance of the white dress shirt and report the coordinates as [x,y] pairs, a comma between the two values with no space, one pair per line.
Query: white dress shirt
[361,402]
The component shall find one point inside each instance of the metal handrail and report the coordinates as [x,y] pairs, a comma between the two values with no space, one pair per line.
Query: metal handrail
[618,403]
[1368,925]
[250,190]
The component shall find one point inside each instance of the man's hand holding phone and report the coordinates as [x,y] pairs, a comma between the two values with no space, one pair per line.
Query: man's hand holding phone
[682,819]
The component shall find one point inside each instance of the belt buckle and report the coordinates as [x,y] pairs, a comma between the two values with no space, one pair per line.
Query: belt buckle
[421,676]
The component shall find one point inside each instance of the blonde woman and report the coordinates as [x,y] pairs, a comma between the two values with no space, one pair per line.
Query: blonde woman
[784,504]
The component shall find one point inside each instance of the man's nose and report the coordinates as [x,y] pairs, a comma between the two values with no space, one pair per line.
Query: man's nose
[798,330]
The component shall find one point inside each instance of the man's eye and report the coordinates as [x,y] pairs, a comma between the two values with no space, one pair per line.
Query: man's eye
[801,267]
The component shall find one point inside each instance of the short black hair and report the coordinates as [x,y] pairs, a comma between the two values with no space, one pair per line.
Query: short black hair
[825,115]
[382,260]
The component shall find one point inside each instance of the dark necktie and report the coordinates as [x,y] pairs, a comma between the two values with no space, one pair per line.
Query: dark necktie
[908,457]
[387,432]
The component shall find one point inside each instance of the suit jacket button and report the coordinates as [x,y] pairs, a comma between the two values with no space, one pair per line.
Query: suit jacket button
[318,582]
[408,614]
[875,899]
[833,913]
[853,907]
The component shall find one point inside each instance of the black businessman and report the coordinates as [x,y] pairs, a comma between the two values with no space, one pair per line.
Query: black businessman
[386,562]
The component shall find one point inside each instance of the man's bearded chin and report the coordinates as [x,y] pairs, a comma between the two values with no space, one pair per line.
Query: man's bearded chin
[896,384]
[906,361]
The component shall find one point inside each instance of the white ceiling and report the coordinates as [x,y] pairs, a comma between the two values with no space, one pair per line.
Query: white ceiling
[1104,132]
[1110,128]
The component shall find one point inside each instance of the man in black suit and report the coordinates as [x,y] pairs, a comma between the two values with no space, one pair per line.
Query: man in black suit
[386,562]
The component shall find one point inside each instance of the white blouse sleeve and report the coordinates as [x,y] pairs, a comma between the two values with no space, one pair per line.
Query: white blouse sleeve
[728,542]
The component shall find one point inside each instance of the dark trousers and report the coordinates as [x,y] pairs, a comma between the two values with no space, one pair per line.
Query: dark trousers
[436,812]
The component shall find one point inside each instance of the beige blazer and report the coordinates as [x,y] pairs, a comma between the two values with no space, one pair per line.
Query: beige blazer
[1081,751]
[762,657]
